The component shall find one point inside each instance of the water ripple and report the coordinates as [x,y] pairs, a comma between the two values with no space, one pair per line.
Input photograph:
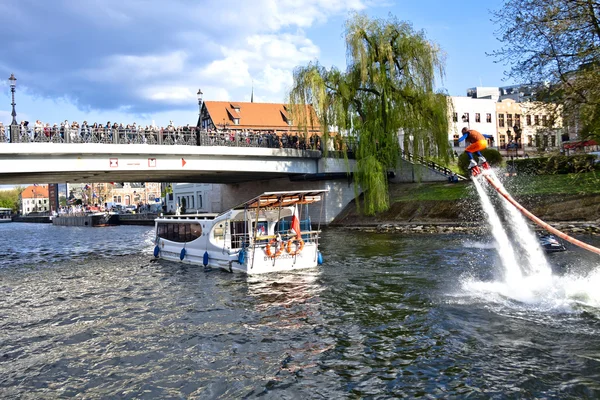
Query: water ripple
[386,316]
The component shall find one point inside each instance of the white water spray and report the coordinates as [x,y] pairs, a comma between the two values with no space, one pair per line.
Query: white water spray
[535,258]
[528,277]
[505,250]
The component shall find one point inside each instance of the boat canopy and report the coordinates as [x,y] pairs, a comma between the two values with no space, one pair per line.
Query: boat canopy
[283,199]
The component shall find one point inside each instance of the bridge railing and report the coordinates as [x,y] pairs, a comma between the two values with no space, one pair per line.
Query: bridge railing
[160,136]
[408,156]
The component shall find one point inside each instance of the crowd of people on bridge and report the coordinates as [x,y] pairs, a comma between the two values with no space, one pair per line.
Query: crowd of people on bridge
[113,132]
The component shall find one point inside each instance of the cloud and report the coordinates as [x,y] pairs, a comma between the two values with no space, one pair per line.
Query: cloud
[147,56]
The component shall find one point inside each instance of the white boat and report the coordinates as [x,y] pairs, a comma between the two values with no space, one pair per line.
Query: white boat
[271,232]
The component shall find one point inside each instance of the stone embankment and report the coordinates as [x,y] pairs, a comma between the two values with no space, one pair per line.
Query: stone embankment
[573,214]
[571,228]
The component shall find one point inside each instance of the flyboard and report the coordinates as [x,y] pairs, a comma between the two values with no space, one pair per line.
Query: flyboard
[476,172]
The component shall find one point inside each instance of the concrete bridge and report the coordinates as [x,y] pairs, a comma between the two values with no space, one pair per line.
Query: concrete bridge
[85,162]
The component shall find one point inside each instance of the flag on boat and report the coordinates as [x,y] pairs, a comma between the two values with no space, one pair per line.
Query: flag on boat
[94,194]
[296,222]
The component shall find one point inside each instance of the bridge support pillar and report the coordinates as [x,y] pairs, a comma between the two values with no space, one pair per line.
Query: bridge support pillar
[341,192]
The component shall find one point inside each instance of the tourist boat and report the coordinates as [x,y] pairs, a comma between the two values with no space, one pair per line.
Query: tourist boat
[5,214]
[271,232]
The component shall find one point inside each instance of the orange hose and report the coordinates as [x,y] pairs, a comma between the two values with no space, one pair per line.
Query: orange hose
[538,221]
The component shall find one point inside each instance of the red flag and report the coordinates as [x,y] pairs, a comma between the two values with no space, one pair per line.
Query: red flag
[296,222]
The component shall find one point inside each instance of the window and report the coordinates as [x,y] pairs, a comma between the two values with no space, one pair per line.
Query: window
[488,118]
[529,140]
[501,120]
[509,120]
[180,233]
[517,119]
[477,117]
[236,121]
[544,120]
[200,201]
[465,117]
[192,202]
[552,141]
[528,119]
[455,117]
[502,141]
[456,144]
[536,120]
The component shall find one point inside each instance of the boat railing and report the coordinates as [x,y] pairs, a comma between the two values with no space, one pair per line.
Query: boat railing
[307,236]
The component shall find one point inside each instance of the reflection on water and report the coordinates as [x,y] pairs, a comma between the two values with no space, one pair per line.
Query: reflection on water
[386,316]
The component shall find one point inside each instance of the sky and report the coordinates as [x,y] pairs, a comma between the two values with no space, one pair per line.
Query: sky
[143,61]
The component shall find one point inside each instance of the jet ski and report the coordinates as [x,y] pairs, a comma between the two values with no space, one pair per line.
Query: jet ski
[550,244]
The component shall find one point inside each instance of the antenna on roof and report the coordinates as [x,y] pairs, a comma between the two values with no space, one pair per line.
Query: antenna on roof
[252,95]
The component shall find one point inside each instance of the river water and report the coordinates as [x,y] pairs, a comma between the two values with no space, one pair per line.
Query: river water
[85,313]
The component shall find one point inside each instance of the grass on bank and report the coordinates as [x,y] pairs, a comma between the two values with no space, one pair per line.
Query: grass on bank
[524,185]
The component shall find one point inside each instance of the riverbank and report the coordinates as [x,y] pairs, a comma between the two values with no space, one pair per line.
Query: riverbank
[420,208]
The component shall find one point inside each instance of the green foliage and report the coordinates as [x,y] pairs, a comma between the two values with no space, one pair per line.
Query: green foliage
[555,165]
[555,42]
[387,87]
[10,198]
[493,157]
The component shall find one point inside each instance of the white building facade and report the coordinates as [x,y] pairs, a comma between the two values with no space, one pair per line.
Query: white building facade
[194,198]
[473,113]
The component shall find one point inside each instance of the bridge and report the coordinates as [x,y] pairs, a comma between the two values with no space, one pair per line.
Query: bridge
[188,154]
[76,162]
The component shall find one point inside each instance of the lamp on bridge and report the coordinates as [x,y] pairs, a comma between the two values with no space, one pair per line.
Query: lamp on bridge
[199,124]
[12,81]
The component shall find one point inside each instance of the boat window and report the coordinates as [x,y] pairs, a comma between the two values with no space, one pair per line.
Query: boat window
[239,234]
[261,229]
[219,232]
[284,226]
[177,232]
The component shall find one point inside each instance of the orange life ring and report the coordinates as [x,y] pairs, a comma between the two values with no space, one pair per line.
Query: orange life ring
[299,246]
[278,249]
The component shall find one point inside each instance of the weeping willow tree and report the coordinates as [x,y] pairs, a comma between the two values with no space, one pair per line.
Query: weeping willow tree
[386,90]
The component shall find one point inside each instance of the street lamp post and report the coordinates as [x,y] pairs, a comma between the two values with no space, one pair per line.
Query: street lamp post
[199,124]
[14,128]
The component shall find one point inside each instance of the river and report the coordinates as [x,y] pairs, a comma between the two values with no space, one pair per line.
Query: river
[87,313]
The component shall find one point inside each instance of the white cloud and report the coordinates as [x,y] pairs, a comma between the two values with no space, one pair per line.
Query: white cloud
[142,57]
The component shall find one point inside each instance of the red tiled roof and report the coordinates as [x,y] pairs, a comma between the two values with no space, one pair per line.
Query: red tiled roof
[259,116]
[31,192]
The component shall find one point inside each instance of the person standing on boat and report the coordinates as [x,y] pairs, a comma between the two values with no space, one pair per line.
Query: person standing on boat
[178,210]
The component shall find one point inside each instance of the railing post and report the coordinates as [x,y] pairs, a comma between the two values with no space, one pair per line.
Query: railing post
[14,133]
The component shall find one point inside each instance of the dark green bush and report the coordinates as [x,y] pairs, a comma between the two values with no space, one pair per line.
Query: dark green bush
[492,156]
[555,164]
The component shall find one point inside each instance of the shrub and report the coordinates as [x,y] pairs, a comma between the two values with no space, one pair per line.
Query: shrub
[493,157]
[555,165]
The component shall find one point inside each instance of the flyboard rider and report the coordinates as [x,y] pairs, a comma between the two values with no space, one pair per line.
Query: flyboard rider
[477,142]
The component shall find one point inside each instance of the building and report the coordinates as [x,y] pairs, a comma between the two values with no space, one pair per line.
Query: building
[262,117]
[194,198]
[519,123]
[473,113]
[121,193]
[34,198]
